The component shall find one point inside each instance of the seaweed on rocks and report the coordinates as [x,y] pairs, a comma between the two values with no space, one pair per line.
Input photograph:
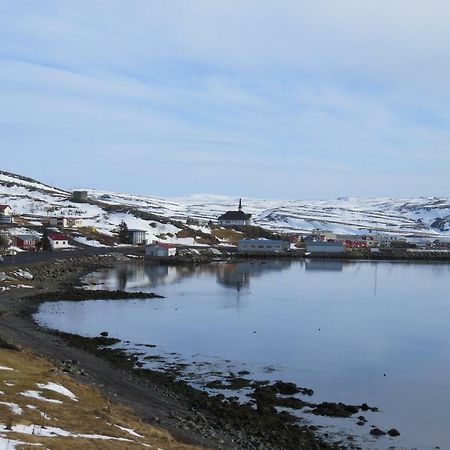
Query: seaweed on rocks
[82,294]
[265,426]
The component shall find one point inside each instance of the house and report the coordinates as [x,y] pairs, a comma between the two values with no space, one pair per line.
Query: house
[235,218]
[355,243]
[5,210]
[324,247]
[26,241]
[196,221]
[385,240]
[58,241]
[6,220]
[65,222]
[6,214]
[263,246]
[161,250]
[79,196]
[137,237]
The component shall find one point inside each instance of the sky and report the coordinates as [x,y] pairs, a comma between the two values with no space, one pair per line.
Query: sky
[268,99]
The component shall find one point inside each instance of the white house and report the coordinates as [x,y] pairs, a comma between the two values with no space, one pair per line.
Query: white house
[262,246]
[137,237]
[65,222]
[5,210]
[159,249]
[235,218]
[58,241]
[6,214]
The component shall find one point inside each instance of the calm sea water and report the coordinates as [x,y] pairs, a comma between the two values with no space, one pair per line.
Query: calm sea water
[354,332]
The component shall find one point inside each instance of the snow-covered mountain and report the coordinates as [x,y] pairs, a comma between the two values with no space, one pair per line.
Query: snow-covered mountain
[414,217]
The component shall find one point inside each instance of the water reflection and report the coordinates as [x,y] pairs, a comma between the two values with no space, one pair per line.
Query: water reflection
[238,275]
[324,265]
[353,331]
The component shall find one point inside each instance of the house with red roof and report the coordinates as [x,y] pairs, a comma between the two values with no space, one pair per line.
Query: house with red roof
[160,250]
[58,241]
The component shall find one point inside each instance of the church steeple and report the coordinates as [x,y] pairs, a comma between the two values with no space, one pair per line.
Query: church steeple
[240,204]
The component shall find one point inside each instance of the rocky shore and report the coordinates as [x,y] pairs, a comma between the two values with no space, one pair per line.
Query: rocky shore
[159,398]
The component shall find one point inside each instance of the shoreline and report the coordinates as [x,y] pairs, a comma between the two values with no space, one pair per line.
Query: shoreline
[157,399]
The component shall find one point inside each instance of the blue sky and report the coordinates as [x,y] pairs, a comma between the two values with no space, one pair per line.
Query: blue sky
[272,99]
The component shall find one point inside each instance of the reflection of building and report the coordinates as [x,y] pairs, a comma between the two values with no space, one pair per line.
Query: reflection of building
[233,275]
[238,275]
[324,265]
[263,246]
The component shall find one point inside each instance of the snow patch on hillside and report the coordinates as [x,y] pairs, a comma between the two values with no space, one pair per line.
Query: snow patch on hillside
[412,216]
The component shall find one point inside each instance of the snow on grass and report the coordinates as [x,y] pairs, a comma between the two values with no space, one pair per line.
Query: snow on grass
[48,431]
[38,396]
[16,409]
[12,444]
[129,431]
[86,241]
[6,368]
[21,273]
[57,388]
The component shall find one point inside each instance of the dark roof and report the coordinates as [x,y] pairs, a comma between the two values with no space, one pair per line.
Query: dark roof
[28,237]
[235,215]
[57,237]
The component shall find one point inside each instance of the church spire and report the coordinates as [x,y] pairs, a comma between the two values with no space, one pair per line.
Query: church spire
[240,204]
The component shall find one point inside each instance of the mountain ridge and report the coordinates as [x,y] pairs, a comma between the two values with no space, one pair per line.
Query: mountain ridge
[419,216]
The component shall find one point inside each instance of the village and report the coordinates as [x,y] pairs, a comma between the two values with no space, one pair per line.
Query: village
[20,234]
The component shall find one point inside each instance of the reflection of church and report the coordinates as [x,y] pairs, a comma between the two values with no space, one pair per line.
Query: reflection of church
[237,275]
[232,275]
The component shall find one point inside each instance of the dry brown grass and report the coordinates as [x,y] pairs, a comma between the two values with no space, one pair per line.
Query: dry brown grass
[232,236]
[91,414]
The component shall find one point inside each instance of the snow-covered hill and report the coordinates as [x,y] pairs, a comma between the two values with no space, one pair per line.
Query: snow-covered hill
[416,216]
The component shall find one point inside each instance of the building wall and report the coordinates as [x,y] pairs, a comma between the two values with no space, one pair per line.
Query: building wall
[235,223]
[138,238]
[262,247]
[324,247]
[26,245]
[6,219]
[157,251]
[65,222]
[58,244]
[74,223]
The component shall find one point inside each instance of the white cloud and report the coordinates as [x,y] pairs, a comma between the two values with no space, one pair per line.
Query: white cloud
[308,88]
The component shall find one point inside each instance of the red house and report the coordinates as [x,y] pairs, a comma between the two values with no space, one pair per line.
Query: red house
[26,241]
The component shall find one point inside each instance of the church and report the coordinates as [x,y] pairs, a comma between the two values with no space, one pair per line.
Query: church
[235,218]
